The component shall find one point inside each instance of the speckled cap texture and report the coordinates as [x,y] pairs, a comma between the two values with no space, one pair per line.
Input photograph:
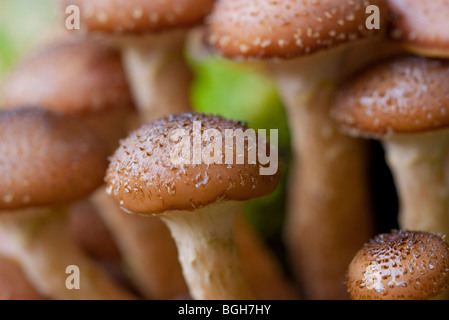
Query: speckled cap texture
[288,28]
[407,94]
[139,16]
[143,178]
[401,265]
[47,159]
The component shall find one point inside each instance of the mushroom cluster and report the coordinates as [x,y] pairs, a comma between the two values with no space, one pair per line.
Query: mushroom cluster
[115,187]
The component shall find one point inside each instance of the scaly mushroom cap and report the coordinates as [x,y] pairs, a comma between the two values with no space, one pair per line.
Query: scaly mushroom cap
[422,25]
[402,95]
[288,28]
[401,265]
[47,159]
[138,16]
[143,177]
[75,77]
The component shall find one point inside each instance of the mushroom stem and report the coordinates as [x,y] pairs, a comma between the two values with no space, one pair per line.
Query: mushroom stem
[39,240]
[208,252]
[14,285]
[151,255]
[147,247]
[329,215]
[418,163]
[158,73]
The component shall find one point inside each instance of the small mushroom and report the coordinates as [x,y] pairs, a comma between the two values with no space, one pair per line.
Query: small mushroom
[151,36]
[403,102]
[305,45]
[49,161]
[401,265]
[198,202]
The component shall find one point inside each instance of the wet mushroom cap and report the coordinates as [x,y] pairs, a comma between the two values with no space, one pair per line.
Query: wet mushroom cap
[72,76]
[400,265]
[47,159]
[146,175]
[268,29]
[422,25]
[138,16]
[402,95]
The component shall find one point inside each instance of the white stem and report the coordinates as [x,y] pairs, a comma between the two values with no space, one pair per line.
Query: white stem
[329,211]
[158,73]
[418,163]
[299,81]
[208,252]
[39,240]
[147,248]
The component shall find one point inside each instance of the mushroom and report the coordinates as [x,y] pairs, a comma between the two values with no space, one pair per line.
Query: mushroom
[85,79]
[151,36]
[305,45]
[198,201]
[421,26]
[404,102]
[400,265]
[47,162]
[77,77]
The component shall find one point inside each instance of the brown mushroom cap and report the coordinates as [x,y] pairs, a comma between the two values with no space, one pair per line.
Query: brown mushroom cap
[144,179]
[402,95]
[138,16]
[73,76]
[47,159]
[422,25]
[401,265]
[267,29]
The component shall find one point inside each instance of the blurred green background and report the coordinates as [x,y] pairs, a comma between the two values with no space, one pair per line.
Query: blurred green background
[236,91]
[22,24]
